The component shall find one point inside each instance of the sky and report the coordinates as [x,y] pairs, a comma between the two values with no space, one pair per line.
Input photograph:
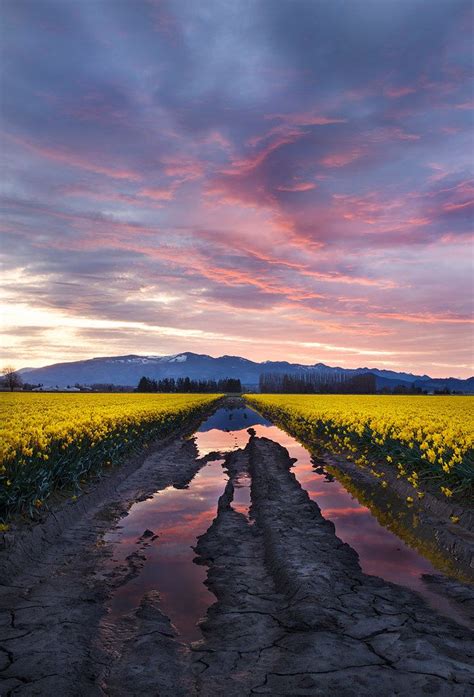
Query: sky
[275,179]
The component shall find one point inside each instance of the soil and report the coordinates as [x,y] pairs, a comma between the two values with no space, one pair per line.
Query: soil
[294,614]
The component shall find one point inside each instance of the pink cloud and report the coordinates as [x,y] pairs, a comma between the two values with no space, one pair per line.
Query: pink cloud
[305,119]
[157,194]
[401,216]
[276,133]
[300,186]
[382,135]
[217,138]
[465,106]
[340,159]
[183,168]
[73,159]
[458,206]
[88,192]
[455,238]
[251,162]
[337,277]
[400,91]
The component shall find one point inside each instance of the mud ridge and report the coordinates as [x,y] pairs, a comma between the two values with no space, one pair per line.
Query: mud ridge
[242,628]
[295,615]
[456,540]
[348,629]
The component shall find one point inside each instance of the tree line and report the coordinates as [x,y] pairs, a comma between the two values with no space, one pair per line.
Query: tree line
[189,385]
[317,382]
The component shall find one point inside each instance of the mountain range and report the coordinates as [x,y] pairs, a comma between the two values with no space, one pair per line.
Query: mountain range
[127,371]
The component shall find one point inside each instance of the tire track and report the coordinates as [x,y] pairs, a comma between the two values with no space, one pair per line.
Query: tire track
[294,614]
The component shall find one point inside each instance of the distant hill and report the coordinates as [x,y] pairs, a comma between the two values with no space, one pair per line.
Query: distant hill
[127,370]
[455,384]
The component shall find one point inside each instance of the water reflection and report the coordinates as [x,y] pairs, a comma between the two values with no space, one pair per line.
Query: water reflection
[226,430]
[381,552]
[234,419]
[241,502]
[177,517]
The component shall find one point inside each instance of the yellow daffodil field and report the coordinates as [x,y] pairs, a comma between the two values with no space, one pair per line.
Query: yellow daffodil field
[424,438]
[55,441]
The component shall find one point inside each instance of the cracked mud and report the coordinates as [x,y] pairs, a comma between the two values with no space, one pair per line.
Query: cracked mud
[291,612]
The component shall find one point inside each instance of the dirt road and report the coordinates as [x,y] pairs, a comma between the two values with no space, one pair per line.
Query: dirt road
[293,613]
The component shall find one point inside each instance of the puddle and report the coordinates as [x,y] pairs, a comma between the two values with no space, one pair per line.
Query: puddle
[241,501]
[381,552]
[226,430]
[178,517]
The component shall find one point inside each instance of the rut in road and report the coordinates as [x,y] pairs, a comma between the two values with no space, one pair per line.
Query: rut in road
[294,614]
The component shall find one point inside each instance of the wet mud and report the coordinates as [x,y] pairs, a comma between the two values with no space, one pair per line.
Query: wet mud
[285,610]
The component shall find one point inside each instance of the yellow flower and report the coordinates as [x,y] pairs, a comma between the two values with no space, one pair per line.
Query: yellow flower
[432,437]
[47,427]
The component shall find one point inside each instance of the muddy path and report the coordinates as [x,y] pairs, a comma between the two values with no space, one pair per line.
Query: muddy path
[287,609]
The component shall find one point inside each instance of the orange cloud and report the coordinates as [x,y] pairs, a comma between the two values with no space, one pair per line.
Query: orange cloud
[424,317]
[301,186]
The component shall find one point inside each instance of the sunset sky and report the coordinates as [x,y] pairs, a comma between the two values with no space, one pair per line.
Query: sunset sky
[276,179]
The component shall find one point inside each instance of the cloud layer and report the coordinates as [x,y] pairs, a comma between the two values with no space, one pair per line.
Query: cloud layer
[285,180]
